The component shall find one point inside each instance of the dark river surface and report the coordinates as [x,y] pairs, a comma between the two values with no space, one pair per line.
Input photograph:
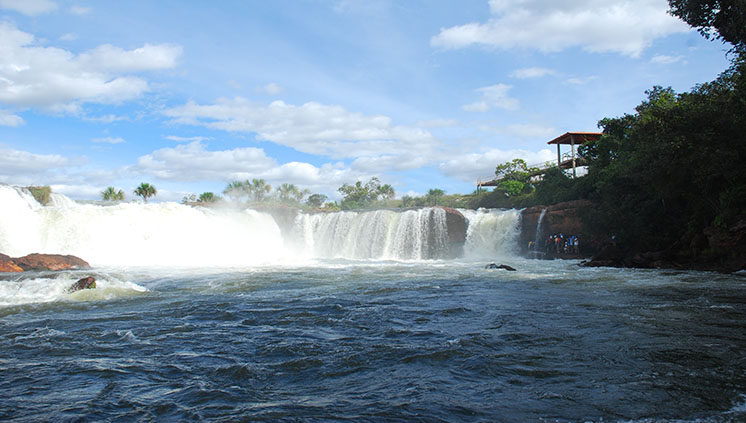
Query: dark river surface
[375,341]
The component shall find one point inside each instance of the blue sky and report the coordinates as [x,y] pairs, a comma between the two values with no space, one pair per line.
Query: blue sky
[190,95]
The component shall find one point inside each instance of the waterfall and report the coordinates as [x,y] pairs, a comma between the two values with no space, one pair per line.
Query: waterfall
[491,233]
[539,237]
[133,234]
[381,234]
[170,234]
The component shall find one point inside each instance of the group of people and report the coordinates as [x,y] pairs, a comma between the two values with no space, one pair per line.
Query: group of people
[558,244]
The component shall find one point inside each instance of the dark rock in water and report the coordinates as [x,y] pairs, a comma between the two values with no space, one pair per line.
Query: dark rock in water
[501,266]
[85,283]
[50,262]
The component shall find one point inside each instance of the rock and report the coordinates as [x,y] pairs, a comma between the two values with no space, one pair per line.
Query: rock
[85,283]
[501,266]
[8,265]
[456,225]
[50,262]
[562,218]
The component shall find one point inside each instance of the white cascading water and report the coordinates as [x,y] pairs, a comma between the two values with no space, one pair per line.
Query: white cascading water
[491,233]
[132,234]
[170,234]
[380,234]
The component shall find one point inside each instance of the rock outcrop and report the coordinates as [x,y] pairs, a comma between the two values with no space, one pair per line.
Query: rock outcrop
[41,262]
[456,226]
[562,218]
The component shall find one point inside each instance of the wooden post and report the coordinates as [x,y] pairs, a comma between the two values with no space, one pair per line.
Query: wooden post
[572,144]
[559,157]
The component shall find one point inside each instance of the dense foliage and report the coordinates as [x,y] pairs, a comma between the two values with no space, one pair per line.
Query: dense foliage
[719,19]
[360,196]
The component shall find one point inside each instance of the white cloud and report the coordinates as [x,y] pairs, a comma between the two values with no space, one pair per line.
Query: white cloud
[109,140]
[21,167]
[271,89]
[535,72]
[482,165]
[311,128]
[10,119]
[662,59]
[194,162]
[494,96]
[581,81]
[80,10]
[148,57]
[29,7]
[56,79]
[625,27]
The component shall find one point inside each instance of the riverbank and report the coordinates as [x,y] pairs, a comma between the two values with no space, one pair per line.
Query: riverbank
[720,249]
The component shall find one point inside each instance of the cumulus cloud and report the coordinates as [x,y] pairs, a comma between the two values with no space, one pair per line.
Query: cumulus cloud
[29,7]
[494,96]
[10,119]
[482,165]
[56,79]
[22,167]
[625,27]
[312,128]
[534,72]
[194,162]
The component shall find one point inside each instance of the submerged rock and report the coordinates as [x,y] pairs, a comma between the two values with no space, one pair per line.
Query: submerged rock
[501,266]
[85,283]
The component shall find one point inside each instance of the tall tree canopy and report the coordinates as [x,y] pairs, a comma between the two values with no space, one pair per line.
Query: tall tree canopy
[721,19]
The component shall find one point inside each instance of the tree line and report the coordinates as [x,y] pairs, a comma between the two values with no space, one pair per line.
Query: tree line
[668,172]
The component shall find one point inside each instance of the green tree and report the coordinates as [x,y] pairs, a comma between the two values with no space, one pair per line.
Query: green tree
[237,190]
[112,194]
[316,200]
[208,197]
[360,196]
[145,190]
[514,177]
[288,193]
[717,19]
[258,189]
[434,197]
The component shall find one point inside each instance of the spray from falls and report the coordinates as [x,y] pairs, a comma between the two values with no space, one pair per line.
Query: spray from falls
[170,234]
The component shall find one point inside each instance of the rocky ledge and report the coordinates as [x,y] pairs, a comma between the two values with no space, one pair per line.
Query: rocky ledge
[41,262]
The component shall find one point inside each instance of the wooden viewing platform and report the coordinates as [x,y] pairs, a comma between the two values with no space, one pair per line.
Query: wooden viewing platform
[564,161]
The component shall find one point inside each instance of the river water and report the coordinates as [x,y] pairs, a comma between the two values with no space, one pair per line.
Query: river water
[360,339]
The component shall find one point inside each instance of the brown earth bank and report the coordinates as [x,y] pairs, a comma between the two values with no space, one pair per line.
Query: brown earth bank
[721,249]
[41,262]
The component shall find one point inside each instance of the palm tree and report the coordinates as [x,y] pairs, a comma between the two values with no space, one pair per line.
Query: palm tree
[112,194]
[145,190]
[286,192]
[236,190]
[259,188]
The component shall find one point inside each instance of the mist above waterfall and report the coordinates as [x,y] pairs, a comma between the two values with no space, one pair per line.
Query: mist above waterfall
[170,234]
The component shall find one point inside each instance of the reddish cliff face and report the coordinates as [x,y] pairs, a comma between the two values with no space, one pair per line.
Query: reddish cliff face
[563,218]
